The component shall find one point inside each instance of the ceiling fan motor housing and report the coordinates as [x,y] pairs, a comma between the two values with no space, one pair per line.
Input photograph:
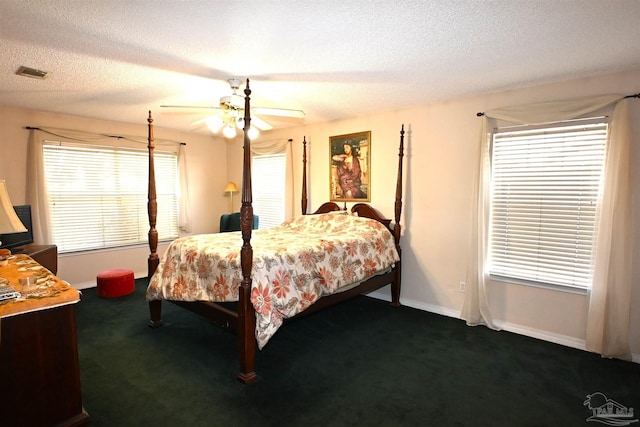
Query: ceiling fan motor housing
[232,102]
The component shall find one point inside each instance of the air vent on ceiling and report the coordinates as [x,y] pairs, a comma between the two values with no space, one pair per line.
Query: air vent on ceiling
[32,72]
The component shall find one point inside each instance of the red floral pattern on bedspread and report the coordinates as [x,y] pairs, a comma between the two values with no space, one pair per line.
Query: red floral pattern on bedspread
[293,265]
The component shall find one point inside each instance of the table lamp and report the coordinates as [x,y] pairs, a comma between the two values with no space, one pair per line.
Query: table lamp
[9,221]
[231,188]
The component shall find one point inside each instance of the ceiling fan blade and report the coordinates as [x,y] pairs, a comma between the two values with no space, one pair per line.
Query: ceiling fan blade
[200,121]
[260,124]
[280,112]
[190,106]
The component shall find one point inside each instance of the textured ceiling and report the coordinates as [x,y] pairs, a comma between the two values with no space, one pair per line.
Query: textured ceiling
[116,60]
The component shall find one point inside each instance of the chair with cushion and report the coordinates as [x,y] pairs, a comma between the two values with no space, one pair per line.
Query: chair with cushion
[231,222]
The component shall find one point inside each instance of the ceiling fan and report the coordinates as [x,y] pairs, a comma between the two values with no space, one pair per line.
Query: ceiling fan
[230,114]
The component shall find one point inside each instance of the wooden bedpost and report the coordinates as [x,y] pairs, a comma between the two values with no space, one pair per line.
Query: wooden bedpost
[152,205]
[395,286]
[246,314]
[155,307]
[304,176]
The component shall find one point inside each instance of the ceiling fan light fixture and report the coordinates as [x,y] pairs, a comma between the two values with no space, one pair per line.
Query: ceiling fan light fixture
[253,133]
[214,124]
[232,102]
[229,131]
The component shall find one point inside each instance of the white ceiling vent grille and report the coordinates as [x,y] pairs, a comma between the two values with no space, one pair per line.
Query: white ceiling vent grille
[32,72]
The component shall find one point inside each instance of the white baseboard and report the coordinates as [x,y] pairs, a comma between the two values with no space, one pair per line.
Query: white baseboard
[541,335]
[416,304]
[507,326]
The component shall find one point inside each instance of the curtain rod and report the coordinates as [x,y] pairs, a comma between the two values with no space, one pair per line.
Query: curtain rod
[635,95]
[103,134]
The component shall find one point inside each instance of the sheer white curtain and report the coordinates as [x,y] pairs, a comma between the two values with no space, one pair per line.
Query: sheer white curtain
[37,195]
[475,309]
[279,146]
[608,317]
[610,295]
[184,220]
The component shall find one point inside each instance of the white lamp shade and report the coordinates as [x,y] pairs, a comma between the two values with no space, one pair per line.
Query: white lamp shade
[9,221]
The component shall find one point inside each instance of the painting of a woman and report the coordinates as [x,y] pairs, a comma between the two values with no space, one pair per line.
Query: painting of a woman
[350,170]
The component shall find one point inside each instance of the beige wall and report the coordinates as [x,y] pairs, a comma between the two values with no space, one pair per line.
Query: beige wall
[441,143]
[206,169]
[441,147]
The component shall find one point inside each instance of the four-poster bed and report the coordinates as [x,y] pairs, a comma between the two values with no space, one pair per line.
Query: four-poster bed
[352,254]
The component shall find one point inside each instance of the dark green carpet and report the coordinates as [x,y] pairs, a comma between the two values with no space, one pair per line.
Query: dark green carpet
[360,363]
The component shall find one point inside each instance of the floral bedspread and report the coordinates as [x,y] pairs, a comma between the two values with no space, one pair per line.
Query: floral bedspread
[293,265]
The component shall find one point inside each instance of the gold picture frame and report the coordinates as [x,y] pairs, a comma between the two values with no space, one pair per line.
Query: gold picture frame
[350,163]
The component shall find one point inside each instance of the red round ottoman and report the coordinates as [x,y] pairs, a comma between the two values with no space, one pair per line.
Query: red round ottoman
[115,283]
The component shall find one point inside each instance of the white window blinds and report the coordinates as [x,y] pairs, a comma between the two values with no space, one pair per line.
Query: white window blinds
[545,185]
[98,195]
[268,179]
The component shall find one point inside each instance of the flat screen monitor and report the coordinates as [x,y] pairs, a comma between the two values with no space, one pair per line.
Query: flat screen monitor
[13,240]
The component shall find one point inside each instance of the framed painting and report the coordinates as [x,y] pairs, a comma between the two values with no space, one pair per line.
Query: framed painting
[350,175]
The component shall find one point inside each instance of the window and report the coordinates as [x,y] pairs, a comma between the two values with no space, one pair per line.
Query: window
[268,181]
[98,195]
[544,194]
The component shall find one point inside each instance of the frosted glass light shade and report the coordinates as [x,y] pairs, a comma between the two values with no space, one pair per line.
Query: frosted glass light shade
[229,132]
[214,124]
[253,133]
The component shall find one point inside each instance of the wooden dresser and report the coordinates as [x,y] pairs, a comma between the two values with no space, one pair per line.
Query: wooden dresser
[45,255]
[39,365]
